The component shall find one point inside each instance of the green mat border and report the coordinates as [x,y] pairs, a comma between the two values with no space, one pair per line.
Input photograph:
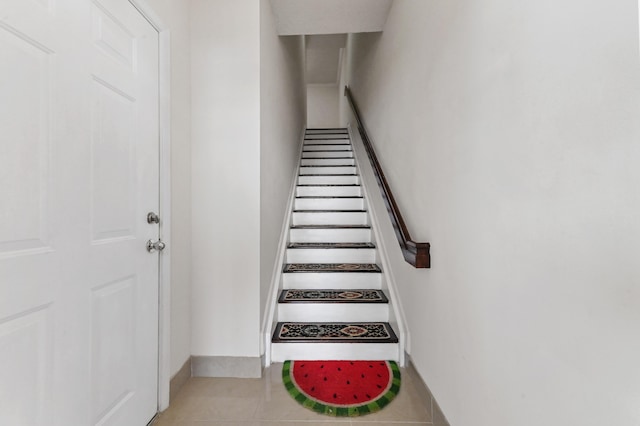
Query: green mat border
[342,411]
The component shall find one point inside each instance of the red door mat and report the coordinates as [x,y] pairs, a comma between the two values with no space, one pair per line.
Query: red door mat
[342,388]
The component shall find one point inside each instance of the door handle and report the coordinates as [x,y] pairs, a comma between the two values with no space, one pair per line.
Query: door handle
[153,246]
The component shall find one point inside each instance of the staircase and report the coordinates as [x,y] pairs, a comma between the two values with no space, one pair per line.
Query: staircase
[332,302]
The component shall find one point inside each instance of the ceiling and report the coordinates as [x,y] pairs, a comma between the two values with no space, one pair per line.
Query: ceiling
[295,17]
[326,24]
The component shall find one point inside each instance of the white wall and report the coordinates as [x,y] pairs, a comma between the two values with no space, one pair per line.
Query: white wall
[322,105]
[225,73]
[509,134]
[283,116]
[175,14]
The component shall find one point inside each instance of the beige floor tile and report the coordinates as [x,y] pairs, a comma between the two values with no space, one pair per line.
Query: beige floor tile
[265,402]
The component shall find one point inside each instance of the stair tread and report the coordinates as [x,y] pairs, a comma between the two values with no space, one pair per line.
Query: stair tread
[326,332]
[331,227]
[331,267]
[327,158]
[327,174]
[328,184]
[328,144]
[331,211]
[332,296]
[331,246]
[324,197]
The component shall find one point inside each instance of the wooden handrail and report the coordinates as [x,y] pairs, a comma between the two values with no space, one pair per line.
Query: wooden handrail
[416,254]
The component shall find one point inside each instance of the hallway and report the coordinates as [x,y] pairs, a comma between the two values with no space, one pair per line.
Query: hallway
[252,402]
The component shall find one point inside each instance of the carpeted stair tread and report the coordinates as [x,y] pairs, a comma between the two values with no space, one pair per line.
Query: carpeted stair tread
[331,246]
[340,174]
[331,211]
[330,332]
[325,197]
[332,296]
[324,165]
[331,227]
[331,267]
[328,184]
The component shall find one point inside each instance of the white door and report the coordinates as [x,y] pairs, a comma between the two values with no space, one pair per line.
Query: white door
[78,175]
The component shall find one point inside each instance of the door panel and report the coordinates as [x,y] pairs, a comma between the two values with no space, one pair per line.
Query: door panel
[79,173]
[23,212]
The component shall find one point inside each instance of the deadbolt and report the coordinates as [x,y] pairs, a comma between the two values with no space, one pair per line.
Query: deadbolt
[153,218]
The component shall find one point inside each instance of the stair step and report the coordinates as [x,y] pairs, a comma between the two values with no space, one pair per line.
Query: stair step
[331,255]
[328,179]
[329,233]
[320,136]
[331,245]
[327,130]
[332,296]
[331,267]
[360,332]
[330,218]
[327,154]
[328,170]
[328,203]
[333,305]
[327,162]
[328,191]
[321,142]
[337,280]
[327,148]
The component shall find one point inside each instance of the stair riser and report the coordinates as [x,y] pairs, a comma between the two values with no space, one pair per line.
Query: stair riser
[327,162]
[334,280]
[308,255]
[330,235]
[281,352]
[328,180]
[330,154]
[333,312]
[333,170]
[329,204]
[333,218]
[345,142]
[326,147]
[328,191]
[326,136]
[325,131]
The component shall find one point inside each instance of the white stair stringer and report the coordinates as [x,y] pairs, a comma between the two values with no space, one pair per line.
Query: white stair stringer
[331,246]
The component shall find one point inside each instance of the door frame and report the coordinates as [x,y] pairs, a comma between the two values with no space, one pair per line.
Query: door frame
[164,273]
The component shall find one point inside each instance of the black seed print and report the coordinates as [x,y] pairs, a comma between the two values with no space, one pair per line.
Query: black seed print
[306,375]
[355,396]
[322,366]
[370,366]
[335,395]
[325,379]
[351,363]
[379,376]
[348,382]
[379,387]
[313,389]
[362,375]
[339,369]
[368,396]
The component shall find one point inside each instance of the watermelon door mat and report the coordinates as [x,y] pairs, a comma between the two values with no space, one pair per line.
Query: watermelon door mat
[342,388]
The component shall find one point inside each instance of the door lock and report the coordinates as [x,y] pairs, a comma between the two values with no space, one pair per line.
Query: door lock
[152,218]
[153,246]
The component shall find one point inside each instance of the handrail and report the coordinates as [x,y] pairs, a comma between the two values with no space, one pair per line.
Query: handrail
[416,254]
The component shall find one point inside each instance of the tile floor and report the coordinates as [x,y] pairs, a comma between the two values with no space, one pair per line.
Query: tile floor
[265,402]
